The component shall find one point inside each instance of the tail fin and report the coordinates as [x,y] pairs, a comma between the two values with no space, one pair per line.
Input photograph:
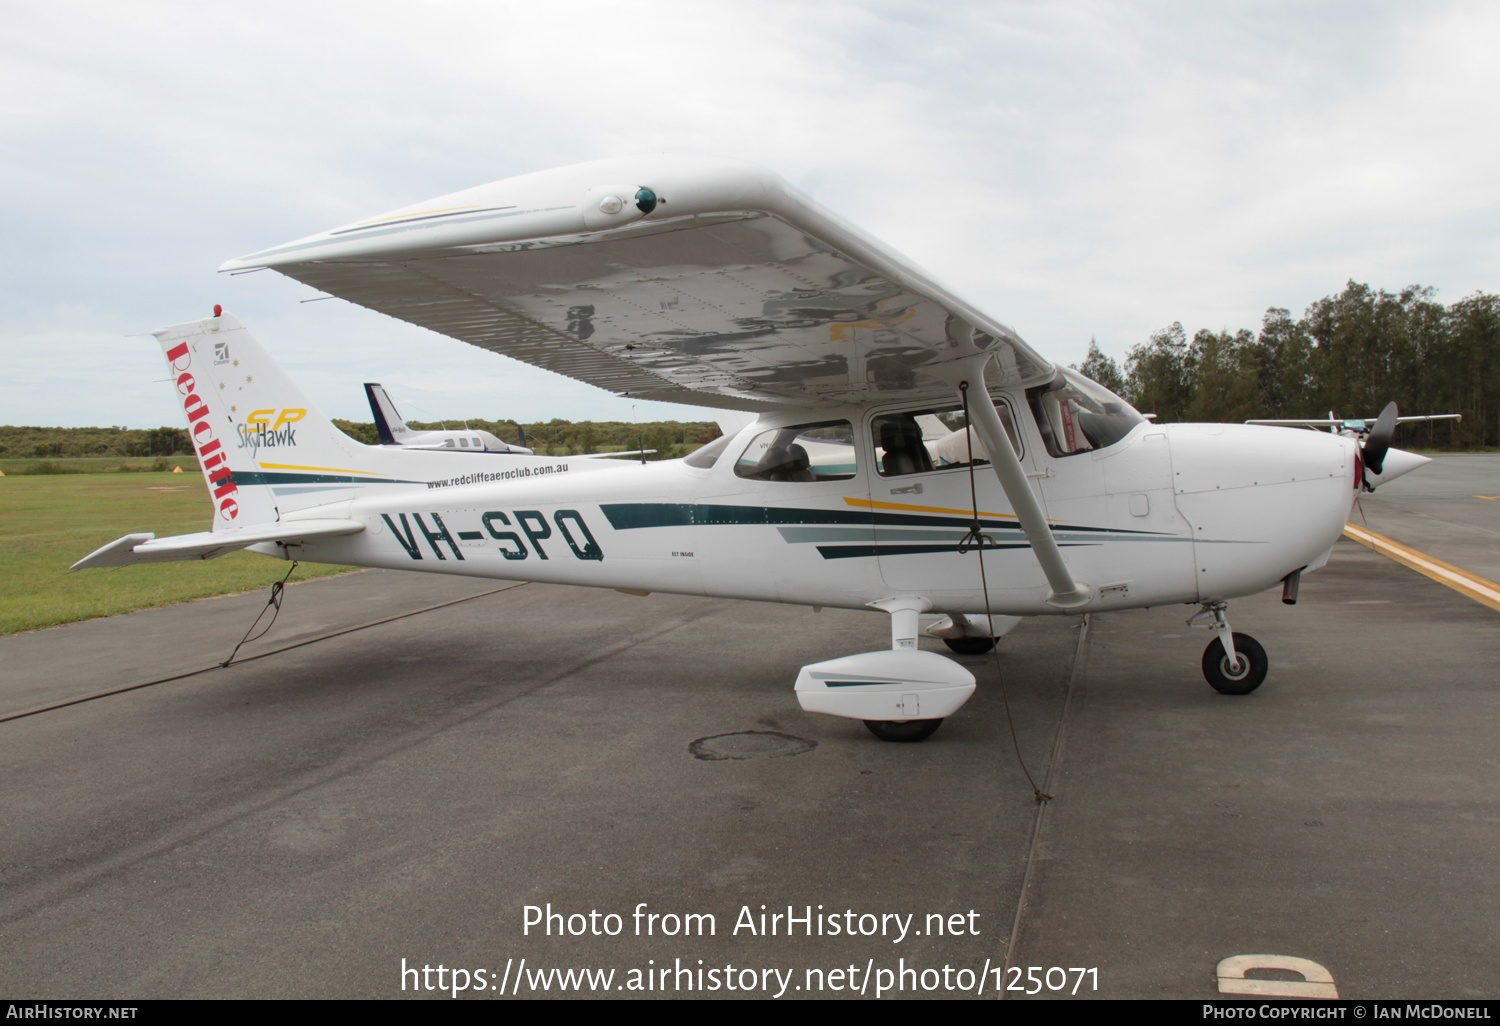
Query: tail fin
[247,419]
[388,423]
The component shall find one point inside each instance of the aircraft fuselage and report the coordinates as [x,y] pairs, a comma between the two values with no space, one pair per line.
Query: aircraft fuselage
[1168,514]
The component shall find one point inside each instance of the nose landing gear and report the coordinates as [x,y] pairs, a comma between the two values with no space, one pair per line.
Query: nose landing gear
[1229,679]
[1233,664]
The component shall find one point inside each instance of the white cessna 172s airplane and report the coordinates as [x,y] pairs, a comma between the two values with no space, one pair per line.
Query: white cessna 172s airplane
[908,452]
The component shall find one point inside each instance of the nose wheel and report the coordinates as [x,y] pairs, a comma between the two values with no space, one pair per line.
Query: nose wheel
[1235,677]
[1233,664]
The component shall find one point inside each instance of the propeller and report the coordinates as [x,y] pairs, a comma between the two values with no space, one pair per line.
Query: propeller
[1379,442]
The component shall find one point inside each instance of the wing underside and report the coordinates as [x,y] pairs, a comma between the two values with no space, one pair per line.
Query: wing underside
[736,306]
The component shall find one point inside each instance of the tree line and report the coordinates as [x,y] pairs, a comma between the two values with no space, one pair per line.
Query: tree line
[1351,353]
[56,442]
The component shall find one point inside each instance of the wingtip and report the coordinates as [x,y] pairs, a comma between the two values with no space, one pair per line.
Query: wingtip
[113,554]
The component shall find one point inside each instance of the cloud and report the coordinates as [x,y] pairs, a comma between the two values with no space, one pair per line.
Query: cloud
[1077,170]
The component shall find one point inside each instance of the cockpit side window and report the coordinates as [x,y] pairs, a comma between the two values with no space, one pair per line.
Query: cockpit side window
[802,452]
[921,440]
[1077,415]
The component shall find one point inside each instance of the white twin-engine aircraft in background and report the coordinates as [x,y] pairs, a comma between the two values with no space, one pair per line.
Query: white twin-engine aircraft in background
[900,449]
[392,429]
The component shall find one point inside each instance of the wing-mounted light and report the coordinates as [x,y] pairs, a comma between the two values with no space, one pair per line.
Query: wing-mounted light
[611,206]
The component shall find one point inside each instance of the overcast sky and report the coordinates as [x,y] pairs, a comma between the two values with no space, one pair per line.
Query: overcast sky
[1076,170]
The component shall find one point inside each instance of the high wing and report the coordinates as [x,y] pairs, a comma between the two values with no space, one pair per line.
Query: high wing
[684,279]
[1312,422]
[1430,416]
[1356,423]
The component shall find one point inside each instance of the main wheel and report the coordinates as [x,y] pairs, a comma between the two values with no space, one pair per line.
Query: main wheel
[909,730]
[1231,680]
[970,646]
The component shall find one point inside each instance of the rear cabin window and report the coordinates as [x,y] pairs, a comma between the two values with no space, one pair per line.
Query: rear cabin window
[708,455]
[917,441]
[802,452]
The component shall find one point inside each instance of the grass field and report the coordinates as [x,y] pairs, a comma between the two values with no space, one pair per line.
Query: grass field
[50,521]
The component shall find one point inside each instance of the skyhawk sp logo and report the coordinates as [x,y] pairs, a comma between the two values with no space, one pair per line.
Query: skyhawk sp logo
[261,432]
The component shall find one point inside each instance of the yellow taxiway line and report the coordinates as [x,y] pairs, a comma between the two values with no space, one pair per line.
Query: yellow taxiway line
[1472,585]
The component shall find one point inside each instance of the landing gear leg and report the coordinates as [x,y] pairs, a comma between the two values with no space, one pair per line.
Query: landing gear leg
[1233,664]
[905,611]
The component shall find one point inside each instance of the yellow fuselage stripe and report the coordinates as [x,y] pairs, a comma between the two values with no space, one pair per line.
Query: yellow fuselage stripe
[326,470]
[1472,585]
[872,504]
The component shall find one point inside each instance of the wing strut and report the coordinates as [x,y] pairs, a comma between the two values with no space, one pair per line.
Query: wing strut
[1066,593]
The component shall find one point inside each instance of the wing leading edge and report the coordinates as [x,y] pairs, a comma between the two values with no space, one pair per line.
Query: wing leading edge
[683,279]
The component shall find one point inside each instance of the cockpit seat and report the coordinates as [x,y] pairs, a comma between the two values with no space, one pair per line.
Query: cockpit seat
[903,451]
[785,463]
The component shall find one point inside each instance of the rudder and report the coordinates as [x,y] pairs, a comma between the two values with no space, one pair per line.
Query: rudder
[389,424]
[245,416]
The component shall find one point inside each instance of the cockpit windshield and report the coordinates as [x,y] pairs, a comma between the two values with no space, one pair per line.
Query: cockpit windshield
[1077,415]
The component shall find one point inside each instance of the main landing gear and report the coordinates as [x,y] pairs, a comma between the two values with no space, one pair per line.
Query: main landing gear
[969,646]
[971,634]
[1233,664]
[902,693]
[903,730]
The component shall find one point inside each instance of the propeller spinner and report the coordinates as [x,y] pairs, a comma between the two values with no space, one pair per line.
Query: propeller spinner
[1379,442]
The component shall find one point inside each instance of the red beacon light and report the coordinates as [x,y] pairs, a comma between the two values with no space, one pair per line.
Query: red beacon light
[218,310]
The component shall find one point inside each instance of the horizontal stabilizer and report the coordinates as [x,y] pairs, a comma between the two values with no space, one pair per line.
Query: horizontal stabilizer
[147,548]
